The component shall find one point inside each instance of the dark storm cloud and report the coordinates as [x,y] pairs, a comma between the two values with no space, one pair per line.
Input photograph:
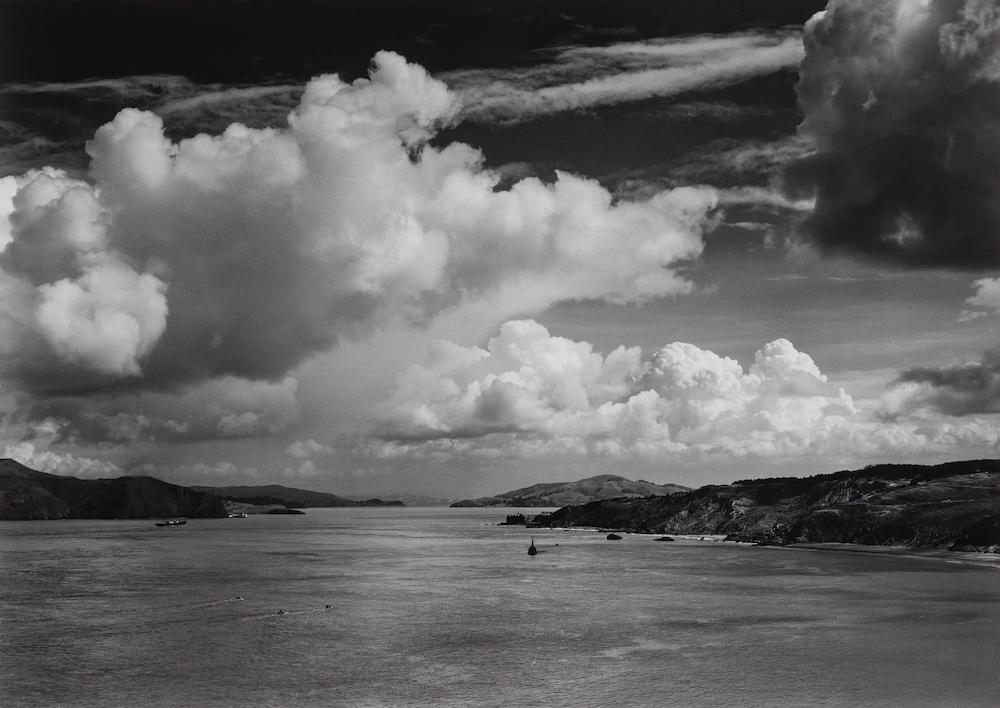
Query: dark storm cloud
[902,100]
[964,389]
[223,408]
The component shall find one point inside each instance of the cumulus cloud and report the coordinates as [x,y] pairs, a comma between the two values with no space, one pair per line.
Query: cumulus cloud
[901,99]
[987,296]
[60,464]
[94,310]
[306,469]
[243,253]
[584,77]
[536,392]
[531,396]
[304,449]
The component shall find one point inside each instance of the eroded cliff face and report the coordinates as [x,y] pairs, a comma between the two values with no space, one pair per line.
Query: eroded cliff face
[27,494]
[881,505]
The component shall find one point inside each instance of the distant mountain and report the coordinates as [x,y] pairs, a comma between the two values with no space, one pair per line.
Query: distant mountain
[288,496]
[605,486]
[26,494]
[955,504]
[411,499]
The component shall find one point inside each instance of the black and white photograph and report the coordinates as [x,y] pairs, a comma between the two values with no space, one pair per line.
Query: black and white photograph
[447,353]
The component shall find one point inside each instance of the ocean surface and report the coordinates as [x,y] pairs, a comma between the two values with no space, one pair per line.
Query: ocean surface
[443,607]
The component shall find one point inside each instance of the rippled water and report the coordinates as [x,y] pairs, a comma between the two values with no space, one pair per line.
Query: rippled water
[442,607]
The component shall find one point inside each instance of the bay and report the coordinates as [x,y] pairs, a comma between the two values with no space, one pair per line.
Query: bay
[443,607]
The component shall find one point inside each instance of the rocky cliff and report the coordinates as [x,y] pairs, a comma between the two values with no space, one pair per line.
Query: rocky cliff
[955,504]
[603,486]
[26,494]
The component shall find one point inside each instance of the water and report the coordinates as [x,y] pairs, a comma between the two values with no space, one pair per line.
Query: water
[442,607]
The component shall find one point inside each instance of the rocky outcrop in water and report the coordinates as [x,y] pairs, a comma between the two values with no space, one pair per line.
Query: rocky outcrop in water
[955,504]
[26,494]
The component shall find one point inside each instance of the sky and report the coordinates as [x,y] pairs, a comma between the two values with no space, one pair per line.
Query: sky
[455,248]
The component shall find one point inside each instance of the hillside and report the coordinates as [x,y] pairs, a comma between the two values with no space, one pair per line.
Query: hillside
[956,504]
[288,496]
[605,486]
[26,494]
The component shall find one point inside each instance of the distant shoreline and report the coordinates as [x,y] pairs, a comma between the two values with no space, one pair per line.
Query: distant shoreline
[965,557]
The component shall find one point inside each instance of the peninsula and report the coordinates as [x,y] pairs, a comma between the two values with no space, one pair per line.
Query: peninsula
[955,505]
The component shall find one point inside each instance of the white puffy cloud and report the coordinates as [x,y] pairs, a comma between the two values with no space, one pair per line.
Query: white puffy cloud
[531,390]
[531,396]
[987,297]
[306,469]
[304,449]
[583,77]
[243,253]
[94,310]
[60,464]
[8,188]
[107,319]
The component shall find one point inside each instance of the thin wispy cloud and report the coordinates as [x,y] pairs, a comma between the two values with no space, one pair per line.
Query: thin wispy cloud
[720,111]
[580,78]
[764,197]
[187,108]
[744,161]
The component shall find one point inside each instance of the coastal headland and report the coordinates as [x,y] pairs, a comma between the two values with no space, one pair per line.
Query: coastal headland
[954,505]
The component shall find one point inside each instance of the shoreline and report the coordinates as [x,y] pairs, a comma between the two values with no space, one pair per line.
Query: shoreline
[991,560]
[966,557]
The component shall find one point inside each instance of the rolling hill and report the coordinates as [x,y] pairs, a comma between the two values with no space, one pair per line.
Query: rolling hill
[26,494]
[605,486]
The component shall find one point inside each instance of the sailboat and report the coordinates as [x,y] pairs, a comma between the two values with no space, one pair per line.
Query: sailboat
[531,549]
